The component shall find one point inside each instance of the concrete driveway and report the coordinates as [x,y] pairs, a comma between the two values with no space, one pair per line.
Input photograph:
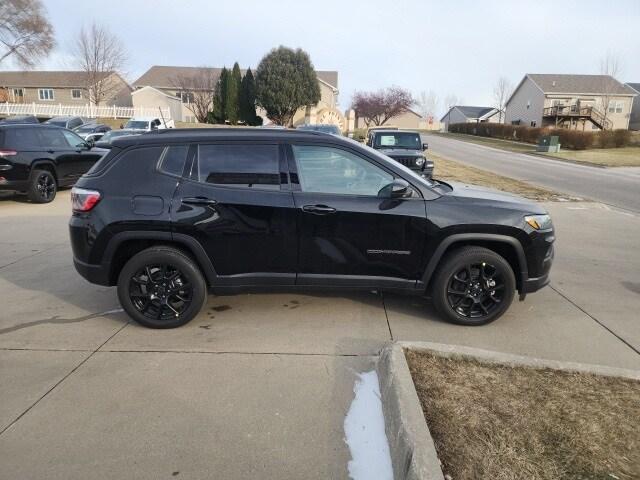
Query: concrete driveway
[257,386]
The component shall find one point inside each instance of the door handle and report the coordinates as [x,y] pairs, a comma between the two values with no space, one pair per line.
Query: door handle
[318,209]
[199,201]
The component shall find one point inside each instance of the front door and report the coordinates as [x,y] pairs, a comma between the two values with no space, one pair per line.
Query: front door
[349,235]
[237,204]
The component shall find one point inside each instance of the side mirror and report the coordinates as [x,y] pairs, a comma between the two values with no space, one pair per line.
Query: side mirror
[90,143]
[425,146]
[396,189]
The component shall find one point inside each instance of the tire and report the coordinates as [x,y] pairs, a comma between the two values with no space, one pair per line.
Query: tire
[473,286]
[161,287]
[43,187]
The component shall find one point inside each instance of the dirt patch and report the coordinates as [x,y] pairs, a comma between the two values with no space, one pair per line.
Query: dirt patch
[606,157]
[500,422]
[449,170]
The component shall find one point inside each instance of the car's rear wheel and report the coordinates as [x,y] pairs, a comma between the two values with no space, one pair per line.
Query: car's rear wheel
[43,187]
[161,287]
[473,286]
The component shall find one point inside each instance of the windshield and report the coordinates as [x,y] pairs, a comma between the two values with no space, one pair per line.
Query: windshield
[137,124]
[85,129]
[58,123]
[399,140]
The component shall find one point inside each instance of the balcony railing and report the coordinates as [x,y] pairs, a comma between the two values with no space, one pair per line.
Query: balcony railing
[577,111]
[89,111]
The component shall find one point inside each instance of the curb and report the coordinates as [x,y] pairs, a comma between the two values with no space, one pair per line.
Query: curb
[413,452]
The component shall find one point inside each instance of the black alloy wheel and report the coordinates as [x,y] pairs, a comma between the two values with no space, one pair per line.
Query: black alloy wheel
[43,187]
[160,292]
[161,287]
[476,290]
[473,286]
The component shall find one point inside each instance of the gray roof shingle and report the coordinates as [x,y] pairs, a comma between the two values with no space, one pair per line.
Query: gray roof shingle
[160,76]
[44,78]
[584,84]
[635,86]
[474,112]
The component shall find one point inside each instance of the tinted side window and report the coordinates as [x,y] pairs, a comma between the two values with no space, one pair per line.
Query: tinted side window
[173,159]
[21,138]
[72,139]
[52,138]
[251,166]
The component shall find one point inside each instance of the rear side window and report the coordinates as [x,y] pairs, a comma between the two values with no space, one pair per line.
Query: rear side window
[250,166]
[20,138]
[173,159]
[52,138]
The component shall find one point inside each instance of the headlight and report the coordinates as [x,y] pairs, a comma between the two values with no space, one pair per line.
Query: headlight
[420,161]
[539,222]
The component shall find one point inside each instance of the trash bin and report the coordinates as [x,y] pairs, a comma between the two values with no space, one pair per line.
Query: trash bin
[548,143]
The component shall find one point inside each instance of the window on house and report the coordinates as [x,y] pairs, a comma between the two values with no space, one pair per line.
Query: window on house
[18,95]
[615,106]
[533,123]
[76,94]
[45,94]
[185,97]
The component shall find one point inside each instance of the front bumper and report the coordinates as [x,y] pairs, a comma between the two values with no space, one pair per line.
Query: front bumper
[13,185]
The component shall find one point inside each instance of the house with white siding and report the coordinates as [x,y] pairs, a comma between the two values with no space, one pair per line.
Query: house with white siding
[580,102]
[467,114]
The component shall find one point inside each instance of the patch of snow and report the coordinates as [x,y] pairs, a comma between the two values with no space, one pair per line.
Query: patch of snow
[364,432]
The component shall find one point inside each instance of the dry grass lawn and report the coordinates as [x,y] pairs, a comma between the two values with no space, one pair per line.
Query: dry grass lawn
[504,423]
[509,145]
[446,169]
[608,157]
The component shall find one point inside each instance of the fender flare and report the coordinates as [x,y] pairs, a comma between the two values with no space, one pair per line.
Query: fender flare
[466,237]
[189,243]
[37,163]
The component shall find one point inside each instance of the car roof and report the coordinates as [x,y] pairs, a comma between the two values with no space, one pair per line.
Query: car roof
[203,134]
[30,125]
[395,131]
[64,117]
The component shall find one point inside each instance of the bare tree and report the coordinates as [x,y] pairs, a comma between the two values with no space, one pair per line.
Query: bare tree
[501,93]
[196,92]
[610,68]
[100,54]
[378,107]
[25,32]
[428,104]
[451,100]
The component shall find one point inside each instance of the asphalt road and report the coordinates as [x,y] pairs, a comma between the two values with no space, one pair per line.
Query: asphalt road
[618,187]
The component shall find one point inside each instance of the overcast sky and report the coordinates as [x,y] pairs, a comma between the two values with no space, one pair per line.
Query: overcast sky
[450,47]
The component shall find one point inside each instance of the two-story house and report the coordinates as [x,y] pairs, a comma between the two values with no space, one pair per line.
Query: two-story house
[160,86]
[580,102]
[61,87]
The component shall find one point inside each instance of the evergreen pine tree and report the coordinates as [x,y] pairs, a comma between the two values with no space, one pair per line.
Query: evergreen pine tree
[232,106]
[248,99]
[219,112]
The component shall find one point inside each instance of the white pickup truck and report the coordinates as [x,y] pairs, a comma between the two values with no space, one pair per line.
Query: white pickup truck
[148,124]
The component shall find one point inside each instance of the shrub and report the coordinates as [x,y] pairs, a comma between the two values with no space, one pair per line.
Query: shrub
[606,139]
[359,134]
[621,138]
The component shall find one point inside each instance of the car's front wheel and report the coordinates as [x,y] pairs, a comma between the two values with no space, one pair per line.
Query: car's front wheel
[161,287]
[473,286]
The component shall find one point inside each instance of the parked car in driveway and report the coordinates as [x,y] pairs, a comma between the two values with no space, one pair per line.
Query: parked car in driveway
[403,146]
[106,140]
[92,131]
[38,159]
[168,216]
[19,119]
[332,129]
[145,124]
[66,122]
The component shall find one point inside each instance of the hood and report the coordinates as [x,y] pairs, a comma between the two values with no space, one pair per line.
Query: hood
[401,152]
[487,196]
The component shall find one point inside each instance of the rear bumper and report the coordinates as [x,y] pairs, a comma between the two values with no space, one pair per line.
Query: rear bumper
[97,274]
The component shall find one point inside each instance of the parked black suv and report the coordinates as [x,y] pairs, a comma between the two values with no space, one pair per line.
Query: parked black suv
[404,146]
[37,159]
[167,215]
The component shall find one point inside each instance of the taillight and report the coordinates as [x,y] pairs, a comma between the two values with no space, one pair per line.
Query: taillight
[8,153]
[83,200]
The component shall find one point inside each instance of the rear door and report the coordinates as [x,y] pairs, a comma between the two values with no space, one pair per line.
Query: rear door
[57,148]
[81,157]
[237,203]
[348,235]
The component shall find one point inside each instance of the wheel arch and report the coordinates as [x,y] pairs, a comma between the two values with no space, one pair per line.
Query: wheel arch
[47,165]
[508,247]
[124,245]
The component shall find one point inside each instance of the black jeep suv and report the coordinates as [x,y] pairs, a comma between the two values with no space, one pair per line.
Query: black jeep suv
[166,216]
[404,146]
[37,159]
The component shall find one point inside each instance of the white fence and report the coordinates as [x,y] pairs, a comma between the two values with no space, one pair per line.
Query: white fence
[89,111]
